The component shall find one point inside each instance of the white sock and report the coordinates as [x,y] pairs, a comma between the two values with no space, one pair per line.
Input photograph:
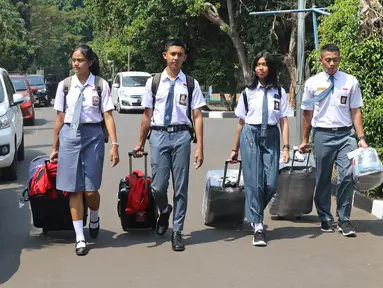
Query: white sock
[78,228]
[93,215]
[257,226]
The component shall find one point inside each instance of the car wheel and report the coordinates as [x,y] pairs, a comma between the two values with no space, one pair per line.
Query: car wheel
[20,151]
[10,173]
[118,106]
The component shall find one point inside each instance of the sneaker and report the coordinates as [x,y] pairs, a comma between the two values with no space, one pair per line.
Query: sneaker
[346,228]
[259,239]
[326,227]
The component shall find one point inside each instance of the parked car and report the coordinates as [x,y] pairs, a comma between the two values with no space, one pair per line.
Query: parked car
[41,95]
[128,89]
[21,85]
[11,128]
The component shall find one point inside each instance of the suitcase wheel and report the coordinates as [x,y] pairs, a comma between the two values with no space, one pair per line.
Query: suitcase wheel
[45,231]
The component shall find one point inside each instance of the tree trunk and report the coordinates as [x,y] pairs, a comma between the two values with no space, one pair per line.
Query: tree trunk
[290,62]
[211,13]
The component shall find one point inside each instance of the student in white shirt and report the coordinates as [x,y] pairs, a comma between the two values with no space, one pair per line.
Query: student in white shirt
[168,120]
[258,137]
[79,140]
[331,105]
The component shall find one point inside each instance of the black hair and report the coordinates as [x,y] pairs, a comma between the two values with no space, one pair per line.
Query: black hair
[271,78]
[174,42]
[329,48]
[90,56]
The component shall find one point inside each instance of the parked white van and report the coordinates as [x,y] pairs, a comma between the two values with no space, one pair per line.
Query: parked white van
[128,89]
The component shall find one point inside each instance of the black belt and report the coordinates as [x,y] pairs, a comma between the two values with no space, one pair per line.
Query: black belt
[171,128]
[259,125]
[345,128]
[86,124]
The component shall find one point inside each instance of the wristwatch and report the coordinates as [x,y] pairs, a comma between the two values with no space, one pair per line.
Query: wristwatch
[361,138]
[286,146]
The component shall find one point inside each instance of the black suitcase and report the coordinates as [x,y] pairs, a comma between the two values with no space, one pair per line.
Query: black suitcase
[223,203]
[296,187]
[50,214]
[142,220]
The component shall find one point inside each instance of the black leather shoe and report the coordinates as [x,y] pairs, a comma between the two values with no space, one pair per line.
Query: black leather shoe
[94,231]
[163,221]
[81,251]
[177,242]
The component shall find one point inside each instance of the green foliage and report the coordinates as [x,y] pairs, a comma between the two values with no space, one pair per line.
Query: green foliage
[361,56]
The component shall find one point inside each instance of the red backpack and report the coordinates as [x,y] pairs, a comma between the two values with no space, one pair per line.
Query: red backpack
[43,181]
[138,199]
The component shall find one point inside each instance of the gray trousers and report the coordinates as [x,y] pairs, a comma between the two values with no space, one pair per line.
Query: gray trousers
[170,152]
[260,161]
[330,147]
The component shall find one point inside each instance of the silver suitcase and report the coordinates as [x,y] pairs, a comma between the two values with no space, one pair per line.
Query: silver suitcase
[224,201]
[296,187]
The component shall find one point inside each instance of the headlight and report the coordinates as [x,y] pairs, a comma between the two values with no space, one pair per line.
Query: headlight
[4,123]
[42,90]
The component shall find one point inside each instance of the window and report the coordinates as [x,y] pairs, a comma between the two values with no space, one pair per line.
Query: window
[117,80]
[134,81]
[2,93]
[9,88]
[19,84]
[36,80]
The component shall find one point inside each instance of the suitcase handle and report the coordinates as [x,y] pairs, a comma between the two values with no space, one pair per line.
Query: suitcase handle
[292,161]
[145,154]
[225,172]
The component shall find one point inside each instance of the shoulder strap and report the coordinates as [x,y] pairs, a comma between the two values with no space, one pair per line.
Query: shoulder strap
[155,83]
[245,101]
[99,85]
[190,86]
[67,84]
[280,92]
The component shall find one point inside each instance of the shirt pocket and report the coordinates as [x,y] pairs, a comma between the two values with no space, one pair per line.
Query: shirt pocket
[344,98]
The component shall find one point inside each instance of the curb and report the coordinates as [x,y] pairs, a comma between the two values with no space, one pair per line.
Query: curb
[218,114]
[361,201]
[224,114]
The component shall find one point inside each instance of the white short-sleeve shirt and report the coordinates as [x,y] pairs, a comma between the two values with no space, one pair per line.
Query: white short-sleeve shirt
[179,115]
[278,106]
[90,111]
[335,110]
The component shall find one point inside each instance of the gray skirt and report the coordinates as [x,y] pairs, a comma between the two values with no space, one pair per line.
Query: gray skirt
[81,158]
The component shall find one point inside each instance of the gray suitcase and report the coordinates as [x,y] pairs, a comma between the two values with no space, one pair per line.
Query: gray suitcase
[224,202]
[296,187]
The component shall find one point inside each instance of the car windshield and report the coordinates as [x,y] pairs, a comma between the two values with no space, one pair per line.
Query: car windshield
[35,80]
[134,81]
[19,84]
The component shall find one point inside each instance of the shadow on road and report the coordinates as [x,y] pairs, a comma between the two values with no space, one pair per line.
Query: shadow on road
[15,223]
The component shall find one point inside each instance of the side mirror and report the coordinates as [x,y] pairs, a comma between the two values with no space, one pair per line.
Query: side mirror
[18,99]
[115,85]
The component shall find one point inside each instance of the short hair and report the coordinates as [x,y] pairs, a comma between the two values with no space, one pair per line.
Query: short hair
[174,42]
[329,48]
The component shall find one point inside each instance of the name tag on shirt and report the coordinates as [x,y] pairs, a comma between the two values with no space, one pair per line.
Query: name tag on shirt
[95,100]
[182,100]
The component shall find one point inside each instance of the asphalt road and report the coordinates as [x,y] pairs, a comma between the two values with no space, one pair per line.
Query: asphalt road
[298,254]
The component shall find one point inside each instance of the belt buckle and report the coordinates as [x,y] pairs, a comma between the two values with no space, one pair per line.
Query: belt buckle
[335,129]
[170,129]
